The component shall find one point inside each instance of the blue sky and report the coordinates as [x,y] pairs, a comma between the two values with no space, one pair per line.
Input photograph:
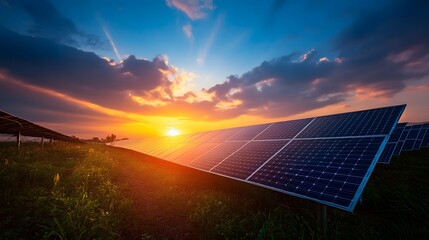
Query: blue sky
[230,37]
[210,61]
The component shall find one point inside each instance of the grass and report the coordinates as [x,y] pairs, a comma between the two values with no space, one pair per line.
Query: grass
[100,192]
[61,192]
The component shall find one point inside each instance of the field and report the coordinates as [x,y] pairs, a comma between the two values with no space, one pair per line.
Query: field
[101,192]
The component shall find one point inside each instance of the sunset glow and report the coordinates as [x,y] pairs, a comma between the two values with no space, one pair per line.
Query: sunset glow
[82,72]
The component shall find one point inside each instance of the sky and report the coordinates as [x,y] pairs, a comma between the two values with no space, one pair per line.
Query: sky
[141,68]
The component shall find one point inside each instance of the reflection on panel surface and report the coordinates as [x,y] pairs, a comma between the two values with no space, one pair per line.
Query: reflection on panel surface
[246,160]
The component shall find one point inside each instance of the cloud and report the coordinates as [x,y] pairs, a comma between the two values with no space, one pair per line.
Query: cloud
[187,30]
[194,9]
[109,38]
[48,22]
[378,56]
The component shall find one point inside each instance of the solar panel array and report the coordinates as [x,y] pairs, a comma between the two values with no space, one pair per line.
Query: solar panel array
[405,138]
[326,159]
[388,151]
[13,125]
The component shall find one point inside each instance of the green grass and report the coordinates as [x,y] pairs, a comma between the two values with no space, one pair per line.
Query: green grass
[60,192]
[112,193]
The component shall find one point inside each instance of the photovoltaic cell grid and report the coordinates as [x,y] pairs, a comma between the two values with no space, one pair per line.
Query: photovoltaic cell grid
[387,154]
[361,123]
[284,130]
[326,159]
[406,138]
[330,170]
[216,155]
[388,151]
[413,133]
[425,142]
[247,159]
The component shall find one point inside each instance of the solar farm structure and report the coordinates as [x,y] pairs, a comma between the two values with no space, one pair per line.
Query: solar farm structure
[405,137]
[327,159]
[18,127]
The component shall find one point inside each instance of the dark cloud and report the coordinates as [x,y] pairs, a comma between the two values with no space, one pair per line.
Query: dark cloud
[387,47]
[283,86]
[48,22]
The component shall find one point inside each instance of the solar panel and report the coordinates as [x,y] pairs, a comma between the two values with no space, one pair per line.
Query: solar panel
[248,133]
[387,154]
[419,142]
[326,159]
[329,170]
[388,151]
[177,153]
[401,141]
[284,130]
[216,155]
[398,148]
[195,152]
[396,134]
[361,123]
[246,160]
[425,142]
[206,136]
[413,132]
[224,135]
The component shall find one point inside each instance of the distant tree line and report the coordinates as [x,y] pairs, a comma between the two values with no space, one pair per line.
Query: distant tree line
[108,139]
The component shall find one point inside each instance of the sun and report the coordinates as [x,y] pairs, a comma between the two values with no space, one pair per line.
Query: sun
[171,132]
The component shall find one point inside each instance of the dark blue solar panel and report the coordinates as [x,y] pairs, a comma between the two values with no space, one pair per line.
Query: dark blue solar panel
[361,123]
[422,133]
[284,130]
[417,144]
[248,133]
[425,142]
[414,132]
[408,145]
[398,148]
[216,155]
[246,160]
[327,170]
[404,134]
[396,134]
[387,154]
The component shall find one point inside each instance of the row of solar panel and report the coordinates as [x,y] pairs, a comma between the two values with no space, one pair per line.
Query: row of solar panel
[405,138]
[326,159]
